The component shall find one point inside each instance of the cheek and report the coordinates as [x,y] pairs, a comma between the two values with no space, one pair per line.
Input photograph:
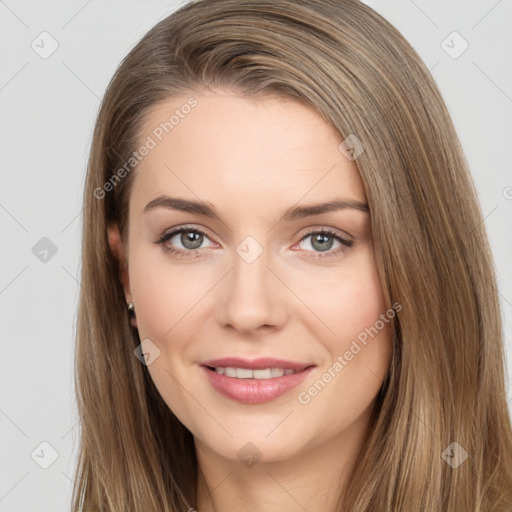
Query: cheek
[357,344]
[346,301]
[357,354]
[152,292]
[165,294]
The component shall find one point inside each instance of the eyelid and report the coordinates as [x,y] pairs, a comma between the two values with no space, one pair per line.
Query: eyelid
[327,229]
[184,227]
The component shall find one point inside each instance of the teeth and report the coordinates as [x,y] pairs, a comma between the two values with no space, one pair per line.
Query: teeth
[229,372]
[245,373]
[262,374]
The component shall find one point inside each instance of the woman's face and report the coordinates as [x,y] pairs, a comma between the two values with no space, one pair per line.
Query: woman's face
[254,277]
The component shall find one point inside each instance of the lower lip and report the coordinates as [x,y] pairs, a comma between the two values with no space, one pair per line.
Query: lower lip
[254,391]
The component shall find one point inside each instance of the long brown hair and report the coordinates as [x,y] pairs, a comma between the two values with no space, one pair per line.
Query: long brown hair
[446,382]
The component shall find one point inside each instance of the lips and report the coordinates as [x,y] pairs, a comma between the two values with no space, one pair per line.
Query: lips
[247,383]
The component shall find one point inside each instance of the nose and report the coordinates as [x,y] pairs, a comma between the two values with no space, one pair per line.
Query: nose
[252,298]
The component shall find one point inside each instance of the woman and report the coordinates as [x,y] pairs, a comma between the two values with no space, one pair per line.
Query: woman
[288,296]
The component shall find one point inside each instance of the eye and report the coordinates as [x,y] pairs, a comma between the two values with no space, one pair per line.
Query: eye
[190,239]
[322,241]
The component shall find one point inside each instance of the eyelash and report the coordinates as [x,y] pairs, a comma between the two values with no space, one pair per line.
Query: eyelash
[345,242]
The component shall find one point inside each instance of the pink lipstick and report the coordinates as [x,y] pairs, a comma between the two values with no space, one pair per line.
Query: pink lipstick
[255,381]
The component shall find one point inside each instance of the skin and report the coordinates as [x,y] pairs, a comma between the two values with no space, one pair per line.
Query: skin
[252,159]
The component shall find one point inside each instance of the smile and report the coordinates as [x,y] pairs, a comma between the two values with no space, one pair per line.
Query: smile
[254,382]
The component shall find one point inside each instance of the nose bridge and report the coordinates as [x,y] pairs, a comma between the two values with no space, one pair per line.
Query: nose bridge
[251,296]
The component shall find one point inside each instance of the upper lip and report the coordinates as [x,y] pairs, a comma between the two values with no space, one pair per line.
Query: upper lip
[256,364]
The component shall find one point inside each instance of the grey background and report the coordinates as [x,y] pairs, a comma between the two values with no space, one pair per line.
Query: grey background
[47,110]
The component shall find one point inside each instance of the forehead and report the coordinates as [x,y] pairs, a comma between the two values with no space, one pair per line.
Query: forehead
[255,153]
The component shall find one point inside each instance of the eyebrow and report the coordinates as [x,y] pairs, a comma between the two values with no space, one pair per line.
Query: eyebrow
[292,213]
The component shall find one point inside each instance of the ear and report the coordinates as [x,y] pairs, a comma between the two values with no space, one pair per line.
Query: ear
[118,250]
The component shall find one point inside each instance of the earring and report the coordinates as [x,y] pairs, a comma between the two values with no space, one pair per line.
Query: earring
[131,313]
